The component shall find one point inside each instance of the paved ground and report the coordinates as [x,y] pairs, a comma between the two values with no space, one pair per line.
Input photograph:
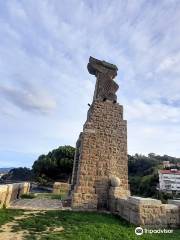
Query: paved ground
[37,204]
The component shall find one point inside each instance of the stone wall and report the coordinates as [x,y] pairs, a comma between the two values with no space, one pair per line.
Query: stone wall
[11,192]
[146,212]
[101,152]
[60,187]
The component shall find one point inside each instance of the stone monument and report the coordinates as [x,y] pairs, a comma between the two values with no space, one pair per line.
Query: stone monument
[100,163]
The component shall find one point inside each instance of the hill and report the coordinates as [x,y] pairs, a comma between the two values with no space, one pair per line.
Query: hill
[5,170]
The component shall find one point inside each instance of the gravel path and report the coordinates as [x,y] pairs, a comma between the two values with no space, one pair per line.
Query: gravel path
[37,204]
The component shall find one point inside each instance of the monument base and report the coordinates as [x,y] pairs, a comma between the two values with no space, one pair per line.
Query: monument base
[101,152]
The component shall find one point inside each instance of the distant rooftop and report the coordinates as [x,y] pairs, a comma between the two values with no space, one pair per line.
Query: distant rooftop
[171,171]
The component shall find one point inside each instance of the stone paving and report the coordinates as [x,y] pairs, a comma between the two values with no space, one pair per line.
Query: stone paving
[37,204]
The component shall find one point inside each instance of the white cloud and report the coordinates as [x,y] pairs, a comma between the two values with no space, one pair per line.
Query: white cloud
[28,98]
[170,64]
[152,113]
[160,139]
[46,45]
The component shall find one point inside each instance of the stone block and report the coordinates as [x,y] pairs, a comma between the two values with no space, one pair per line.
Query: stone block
[60,187]
[3,193]
[143,201]
[11,192]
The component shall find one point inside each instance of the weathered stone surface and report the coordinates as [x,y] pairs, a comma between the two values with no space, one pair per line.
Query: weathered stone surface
[101,150]
[144,201]
[60,187]
[115,181]
[105,72]
[3,194]
[149,212]
[11,192]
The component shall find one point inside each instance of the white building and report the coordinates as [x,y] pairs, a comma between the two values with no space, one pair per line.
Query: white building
[169,164]
[169,180]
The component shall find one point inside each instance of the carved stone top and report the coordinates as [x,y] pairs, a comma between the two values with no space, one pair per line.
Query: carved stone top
[94,66]
[105,73]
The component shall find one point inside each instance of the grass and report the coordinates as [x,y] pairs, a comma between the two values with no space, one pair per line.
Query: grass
[59,196]
[7,215]
[81,226]
[51,196]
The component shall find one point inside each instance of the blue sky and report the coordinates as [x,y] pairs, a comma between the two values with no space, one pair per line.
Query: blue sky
[45,86]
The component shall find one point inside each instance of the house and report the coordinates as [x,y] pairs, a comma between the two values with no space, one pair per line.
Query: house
[169,180]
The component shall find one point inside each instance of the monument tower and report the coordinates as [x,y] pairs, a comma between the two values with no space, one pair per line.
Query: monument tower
[101,150]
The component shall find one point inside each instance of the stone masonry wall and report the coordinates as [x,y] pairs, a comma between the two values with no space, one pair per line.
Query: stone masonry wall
[147,212]
[10,192]
[102,153]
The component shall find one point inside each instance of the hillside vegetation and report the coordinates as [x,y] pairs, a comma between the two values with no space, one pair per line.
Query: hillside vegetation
[57,166]
[143,174]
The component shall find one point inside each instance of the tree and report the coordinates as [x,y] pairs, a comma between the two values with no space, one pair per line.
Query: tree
[56,165]
[143,173]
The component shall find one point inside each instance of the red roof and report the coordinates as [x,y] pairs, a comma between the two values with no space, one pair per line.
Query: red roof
[169,171]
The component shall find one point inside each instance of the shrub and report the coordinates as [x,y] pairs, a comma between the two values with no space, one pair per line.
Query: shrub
[28,196]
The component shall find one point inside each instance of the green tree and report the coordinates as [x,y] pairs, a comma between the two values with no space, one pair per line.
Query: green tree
[56,165]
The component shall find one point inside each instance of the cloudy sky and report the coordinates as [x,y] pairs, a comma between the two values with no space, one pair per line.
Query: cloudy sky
[45,86]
